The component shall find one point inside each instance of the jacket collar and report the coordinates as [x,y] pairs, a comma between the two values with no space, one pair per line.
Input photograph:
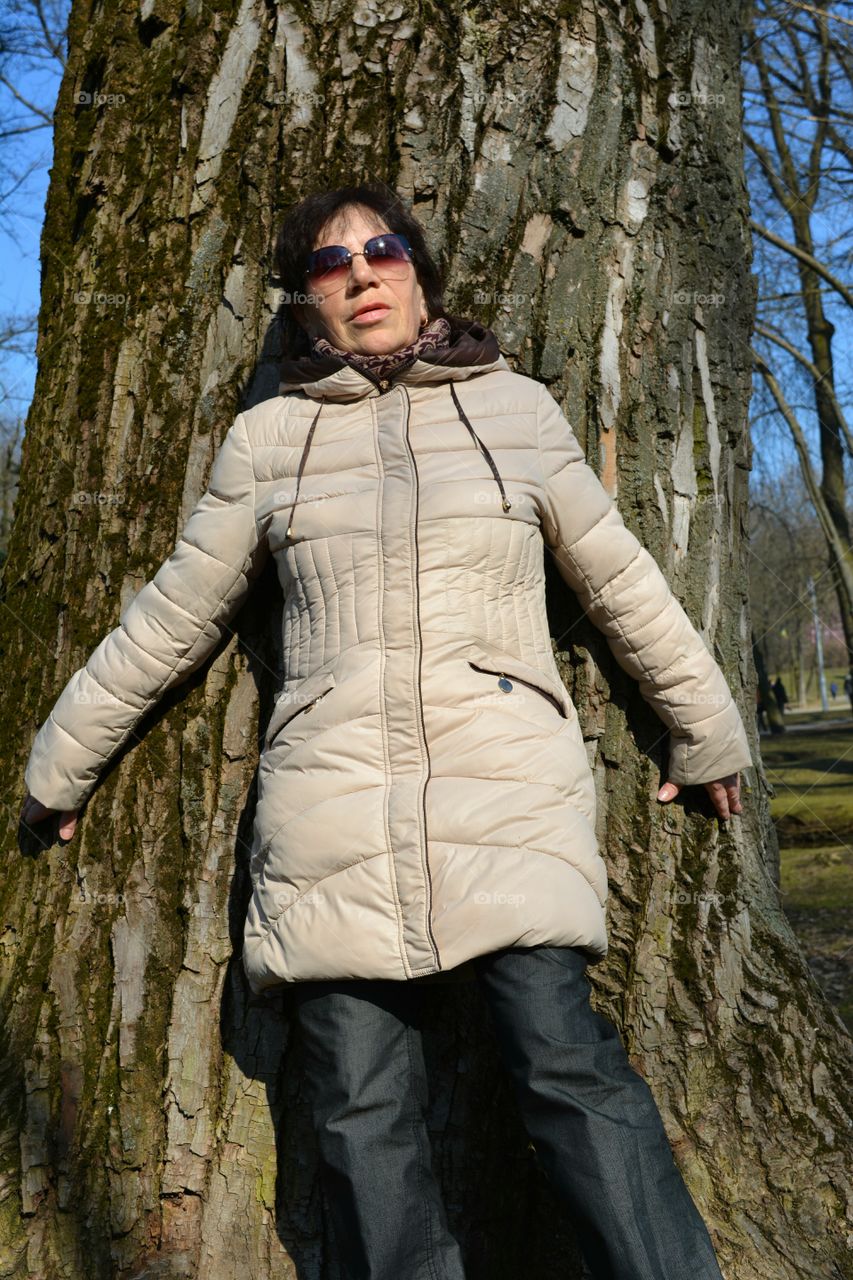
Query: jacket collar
[473,349]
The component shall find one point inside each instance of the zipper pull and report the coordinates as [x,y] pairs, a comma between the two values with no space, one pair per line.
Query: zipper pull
[505,684]
[384,384]
[312,705]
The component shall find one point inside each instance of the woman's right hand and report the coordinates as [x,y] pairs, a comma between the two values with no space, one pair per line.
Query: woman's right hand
[33,810]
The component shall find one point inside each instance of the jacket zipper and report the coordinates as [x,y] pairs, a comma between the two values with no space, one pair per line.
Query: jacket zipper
[420,660]
[383,383]
[535,687]
[312,704]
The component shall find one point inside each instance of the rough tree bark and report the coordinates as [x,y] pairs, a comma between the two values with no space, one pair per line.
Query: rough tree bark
[584,159]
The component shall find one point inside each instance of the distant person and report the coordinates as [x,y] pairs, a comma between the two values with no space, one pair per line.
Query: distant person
[760,711]
[780,693]
[833,689]
[848,688]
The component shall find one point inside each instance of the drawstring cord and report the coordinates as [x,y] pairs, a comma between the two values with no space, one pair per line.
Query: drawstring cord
[305,449]
[505,502]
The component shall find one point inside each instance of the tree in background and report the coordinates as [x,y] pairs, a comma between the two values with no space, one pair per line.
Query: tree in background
[799,77]
[786,551]
[32,43]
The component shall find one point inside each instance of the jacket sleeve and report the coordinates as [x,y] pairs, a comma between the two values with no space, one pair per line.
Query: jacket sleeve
[172,624]
[623,591]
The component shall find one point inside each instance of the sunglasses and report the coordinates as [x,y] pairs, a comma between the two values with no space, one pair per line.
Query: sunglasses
[389,254]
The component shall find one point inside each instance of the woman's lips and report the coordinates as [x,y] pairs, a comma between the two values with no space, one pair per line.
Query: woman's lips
[375,313]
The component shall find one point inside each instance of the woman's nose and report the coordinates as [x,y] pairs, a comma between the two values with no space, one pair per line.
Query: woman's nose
[361,269]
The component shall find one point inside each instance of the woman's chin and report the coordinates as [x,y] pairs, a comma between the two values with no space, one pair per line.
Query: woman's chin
[373,345]
[375,339]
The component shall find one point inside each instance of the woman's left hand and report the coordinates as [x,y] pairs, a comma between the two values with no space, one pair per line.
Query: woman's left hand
[725,794]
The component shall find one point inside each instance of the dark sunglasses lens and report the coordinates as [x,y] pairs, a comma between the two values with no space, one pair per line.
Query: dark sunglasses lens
[389,250]
[329,263]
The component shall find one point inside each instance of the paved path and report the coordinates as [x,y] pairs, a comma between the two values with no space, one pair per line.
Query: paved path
[801,726]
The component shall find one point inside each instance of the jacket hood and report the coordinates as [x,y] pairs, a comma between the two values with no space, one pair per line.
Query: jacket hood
[472,349]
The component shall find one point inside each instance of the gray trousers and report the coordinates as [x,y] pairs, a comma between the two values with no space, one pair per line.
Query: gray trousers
[592,1119]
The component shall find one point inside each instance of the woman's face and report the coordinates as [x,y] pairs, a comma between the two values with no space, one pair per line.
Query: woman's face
[400,305]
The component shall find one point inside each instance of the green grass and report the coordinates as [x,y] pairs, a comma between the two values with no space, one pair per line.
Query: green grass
[817,889]
[811,772]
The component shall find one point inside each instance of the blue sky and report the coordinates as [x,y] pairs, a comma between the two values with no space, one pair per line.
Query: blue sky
[27,158]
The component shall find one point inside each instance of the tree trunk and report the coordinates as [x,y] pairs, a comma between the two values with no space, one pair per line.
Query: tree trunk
[588,164]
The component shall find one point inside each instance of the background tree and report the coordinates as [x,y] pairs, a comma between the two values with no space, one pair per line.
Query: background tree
[580,173]
[32,44]
[787,550]
[798,100]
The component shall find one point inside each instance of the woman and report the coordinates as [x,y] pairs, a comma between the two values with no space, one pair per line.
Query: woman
[425,804]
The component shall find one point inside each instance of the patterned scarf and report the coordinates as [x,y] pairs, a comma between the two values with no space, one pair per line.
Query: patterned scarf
[434,335]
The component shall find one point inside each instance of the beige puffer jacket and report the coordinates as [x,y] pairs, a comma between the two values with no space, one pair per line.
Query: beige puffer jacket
[424,794]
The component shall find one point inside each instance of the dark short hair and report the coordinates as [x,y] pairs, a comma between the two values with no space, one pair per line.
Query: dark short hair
[298,235]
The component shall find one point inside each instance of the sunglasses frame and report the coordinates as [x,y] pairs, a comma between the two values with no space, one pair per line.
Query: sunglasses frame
[364,252]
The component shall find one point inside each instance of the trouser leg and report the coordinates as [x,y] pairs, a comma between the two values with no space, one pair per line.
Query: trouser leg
[367,1084]
[593,1120]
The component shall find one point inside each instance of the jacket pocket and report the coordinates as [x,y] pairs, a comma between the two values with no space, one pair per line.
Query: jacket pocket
[297,700]
[488,658]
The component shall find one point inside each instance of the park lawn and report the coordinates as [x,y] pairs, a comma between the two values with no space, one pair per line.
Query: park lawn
[817,896]
[813,812]
[811,771]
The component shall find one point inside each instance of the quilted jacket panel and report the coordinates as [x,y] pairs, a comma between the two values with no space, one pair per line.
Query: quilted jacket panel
[424,789]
